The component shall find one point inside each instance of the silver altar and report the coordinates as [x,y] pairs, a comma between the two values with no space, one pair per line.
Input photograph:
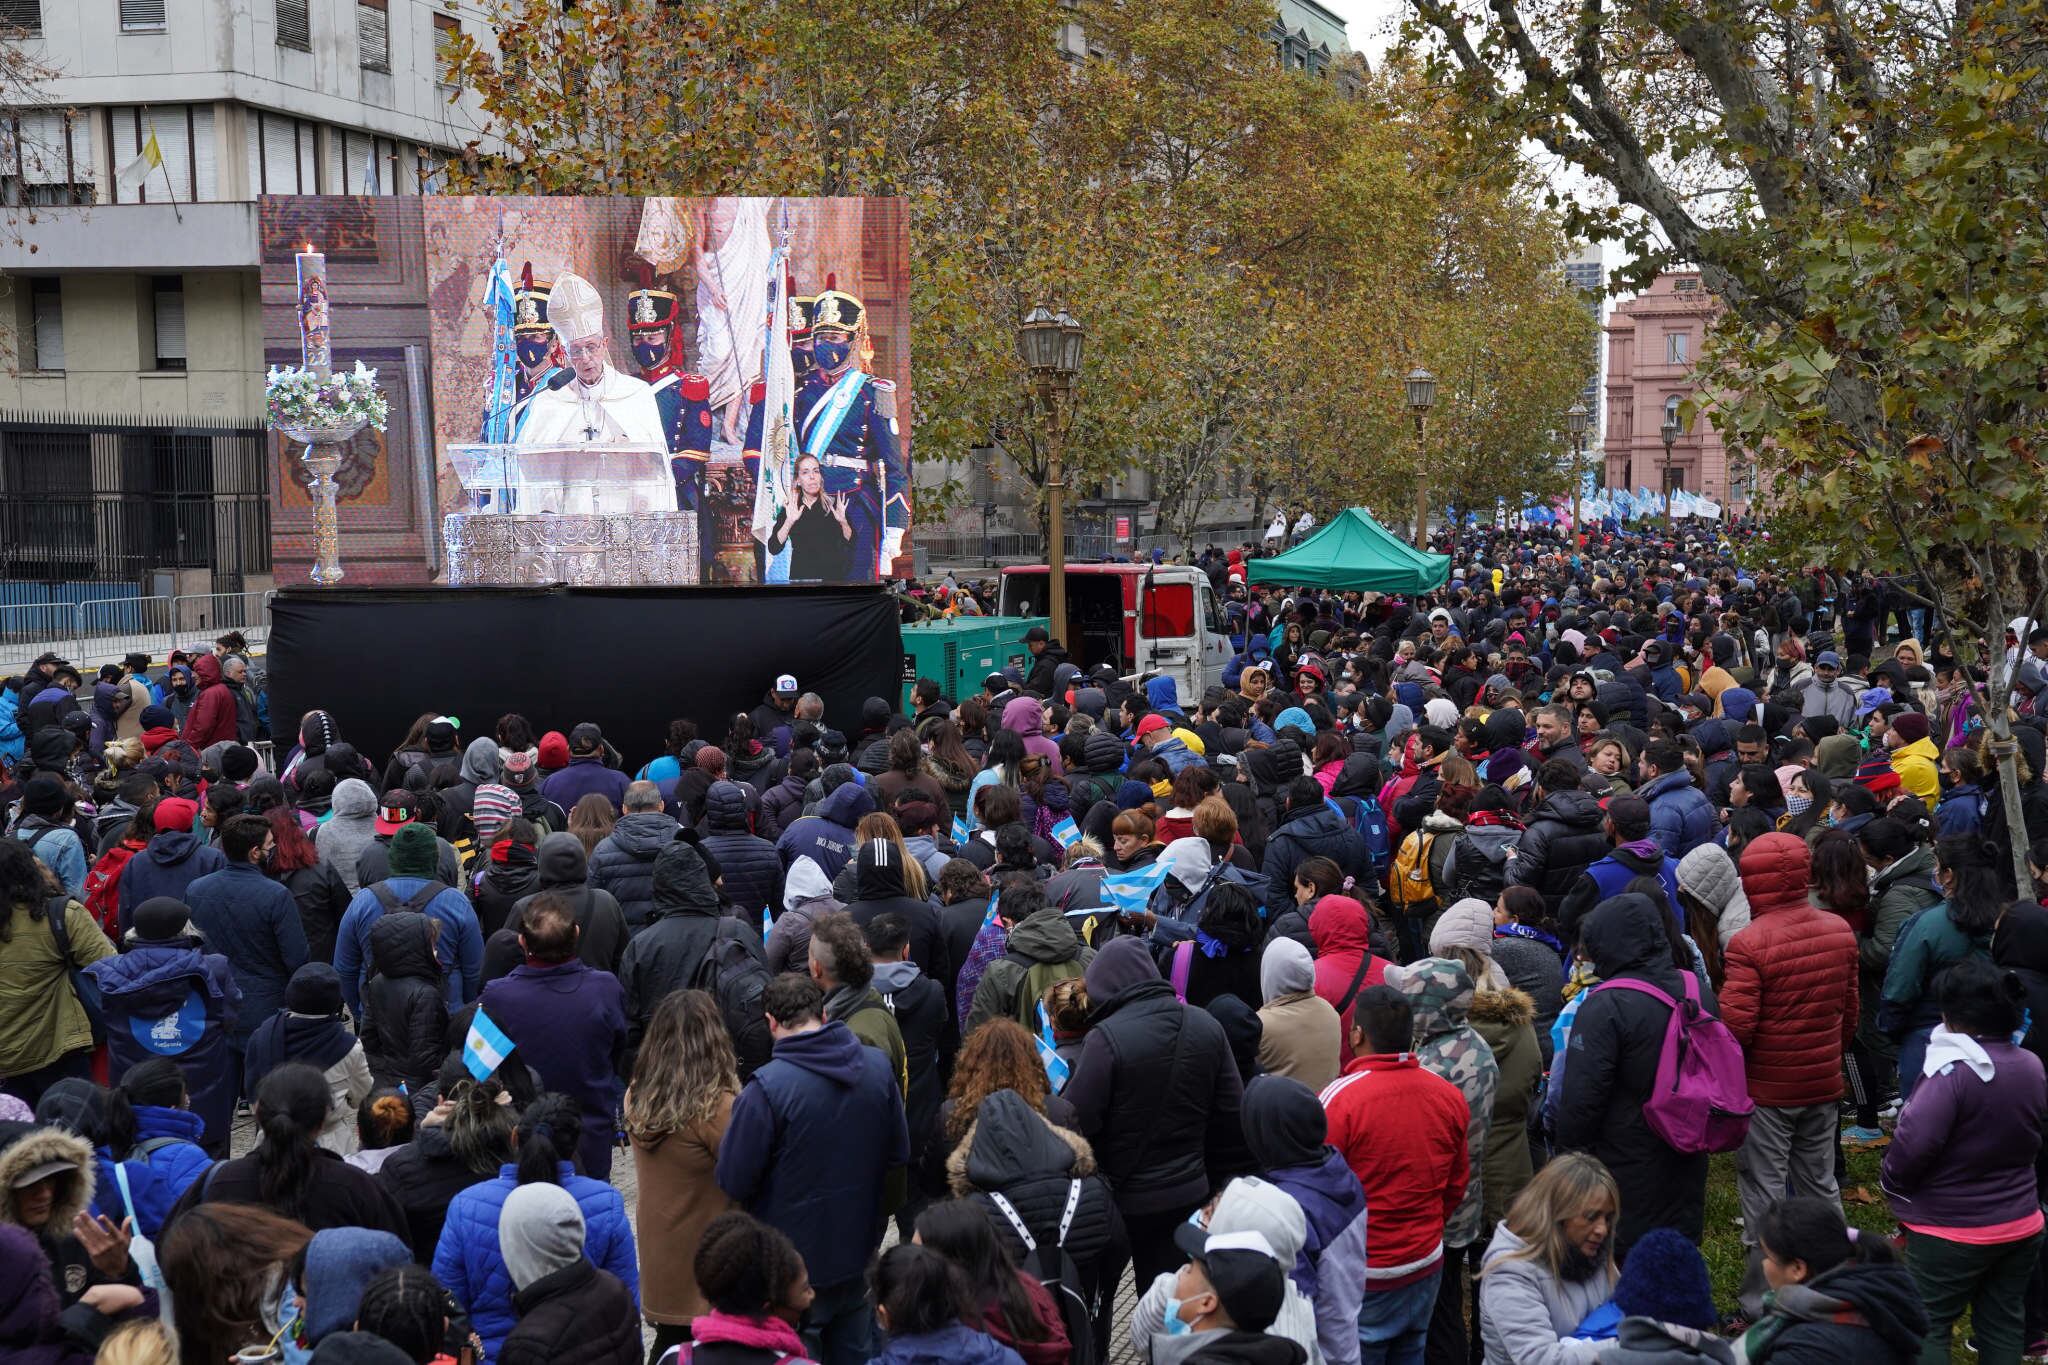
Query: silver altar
[576,514]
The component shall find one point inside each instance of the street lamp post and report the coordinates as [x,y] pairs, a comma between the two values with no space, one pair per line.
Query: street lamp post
[1421,385]
[1577,418]
[1050,345]
[1670,431]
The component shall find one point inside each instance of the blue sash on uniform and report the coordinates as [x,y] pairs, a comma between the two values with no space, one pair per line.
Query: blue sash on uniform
[822,426]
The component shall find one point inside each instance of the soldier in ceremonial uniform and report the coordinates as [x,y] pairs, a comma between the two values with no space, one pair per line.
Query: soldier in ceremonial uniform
[847,419]
[534,338]
[653,320]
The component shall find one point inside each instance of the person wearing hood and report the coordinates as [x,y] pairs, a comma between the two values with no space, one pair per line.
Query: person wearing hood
[879,889]
[1439,991]
[1156,1090]
[1959,1173]
[567,1020]
[814,1138]
[166,996]
[1345,962]
[827,838]
[687,923]
[333,1270]
[110,702]
[122,1189]
[13,743]
[1835,1295]
[46,1185]
[412,885]
[509,872]
[405,1025]
[806,895]
[1563,837]
[751,873]
[570,1312]
[1248,1208]
[1025,717]
[178,693]
[309,1027]
[923,1020]
[46,828]
[341,838]
[1300,1033]
[561,866]
[215,713]
[1041,948]
[1287,1131]
[1790,1000]
[1914,757]
[1616,1041]
[480,765]
[622,864]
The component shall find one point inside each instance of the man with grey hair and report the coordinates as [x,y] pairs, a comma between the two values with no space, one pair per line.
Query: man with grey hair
[623,861]
[1554,738]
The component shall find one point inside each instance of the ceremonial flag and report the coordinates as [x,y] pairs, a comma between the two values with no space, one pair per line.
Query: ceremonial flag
[135,172]
[1130,892]
[486,1047]
[500,296]
[778,418]
[1056,1068]
[1067,832]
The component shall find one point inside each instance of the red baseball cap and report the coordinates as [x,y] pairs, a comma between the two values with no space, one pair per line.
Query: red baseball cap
[1151,722]
[175,813]
[398,808]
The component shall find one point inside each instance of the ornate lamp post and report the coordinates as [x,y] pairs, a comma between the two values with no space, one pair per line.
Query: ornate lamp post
[1421,386]
[1050,346]
[1670,431]
[1577,417]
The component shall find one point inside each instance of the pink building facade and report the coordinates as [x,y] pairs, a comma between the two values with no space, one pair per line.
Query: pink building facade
[1653,351]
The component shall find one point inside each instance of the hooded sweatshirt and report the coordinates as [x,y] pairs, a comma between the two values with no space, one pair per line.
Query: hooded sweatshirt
[1286,1128]
[1342,931]
[341,839]
[1025,717]
[1440,991]
[827,837]
[879,890]
[806,894]
[1300,1034]
[1247,1204]
[340,1262]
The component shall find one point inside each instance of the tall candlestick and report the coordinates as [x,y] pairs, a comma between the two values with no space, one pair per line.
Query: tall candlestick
[313,329]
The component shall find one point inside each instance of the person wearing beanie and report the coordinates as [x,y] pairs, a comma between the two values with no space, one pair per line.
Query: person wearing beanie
[552,753]
[309,1028]
[570,1312]
[172,860]
[167,996]
[491,806]
[413,884]
[1662,1308]
[350,827]
[1468,924]
[156,727]
[238,763]
[45,826]
[1914,757]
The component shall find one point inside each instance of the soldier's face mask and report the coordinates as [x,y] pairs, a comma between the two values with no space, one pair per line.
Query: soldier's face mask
[533,351]
[649,349]
[831,352]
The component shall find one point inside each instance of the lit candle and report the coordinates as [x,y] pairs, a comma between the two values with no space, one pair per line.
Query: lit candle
[313,332]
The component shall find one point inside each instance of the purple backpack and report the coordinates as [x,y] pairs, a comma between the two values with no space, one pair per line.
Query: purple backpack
[1701,1100]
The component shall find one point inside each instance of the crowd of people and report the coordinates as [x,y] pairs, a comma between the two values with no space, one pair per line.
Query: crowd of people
[1387,1002]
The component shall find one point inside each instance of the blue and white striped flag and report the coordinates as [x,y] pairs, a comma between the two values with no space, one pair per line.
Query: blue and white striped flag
[1056,1068]
[990,917]
[486,1047]
[1130,892]
[767,922]
[961,833]
[1067,832]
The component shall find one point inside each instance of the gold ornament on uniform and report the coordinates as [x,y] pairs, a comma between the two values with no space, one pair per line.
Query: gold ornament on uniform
[643,308]
[529,312]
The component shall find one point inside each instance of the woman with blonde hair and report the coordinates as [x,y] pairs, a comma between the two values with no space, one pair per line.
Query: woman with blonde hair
[677,1110]
[1551,1263]
[143,1342]
[882,825]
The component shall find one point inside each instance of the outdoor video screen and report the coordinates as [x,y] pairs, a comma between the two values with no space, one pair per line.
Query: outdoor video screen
[595,391]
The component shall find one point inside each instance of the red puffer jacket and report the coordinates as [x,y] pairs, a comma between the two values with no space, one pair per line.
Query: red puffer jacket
[1790,994]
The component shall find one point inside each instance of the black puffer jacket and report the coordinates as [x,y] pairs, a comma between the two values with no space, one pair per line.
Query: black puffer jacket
[1307,832]
[623,861]
[1102,758]
[577,1316]
[1012,1150]
[665,955]
[1610,1068]
[1156,1089]
[752,872]
[879,890]
[424,1176]
[563,869]
[405,1005]
[1562,840]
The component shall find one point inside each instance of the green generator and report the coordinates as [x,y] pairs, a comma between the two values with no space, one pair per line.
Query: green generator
[961,652]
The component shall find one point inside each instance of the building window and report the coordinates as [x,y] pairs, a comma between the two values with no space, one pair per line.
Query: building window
[294,25]
[1671,413]
[24,16]
[1674,478]
[46,312]
[1674,347]
[447,30]
[46,158]
[167,294]
[142,16]
[280,154]
[373,35]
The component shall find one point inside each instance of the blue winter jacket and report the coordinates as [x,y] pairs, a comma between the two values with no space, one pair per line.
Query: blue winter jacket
[12,745]
[468,1262]
[813,1134]
[954,1345]
[255,922]
[460,947]
[57,848]
[171,862]
[1330,1270]
[174,1000]
[175,1165]
[1681,817]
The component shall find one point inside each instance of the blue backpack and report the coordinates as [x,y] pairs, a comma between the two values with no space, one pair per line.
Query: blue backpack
[1369,822]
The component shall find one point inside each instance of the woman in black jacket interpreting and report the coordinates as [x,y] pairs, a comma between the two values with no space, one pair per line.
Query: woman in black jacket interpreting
[814,527]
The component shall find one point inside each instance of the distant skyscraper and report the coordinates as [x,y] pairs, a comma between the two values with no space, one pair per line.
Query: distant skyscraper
[1587,272]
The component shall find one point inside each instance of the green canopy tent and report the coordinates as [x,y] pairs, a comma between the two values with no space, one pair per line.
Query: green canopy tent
[1353,553]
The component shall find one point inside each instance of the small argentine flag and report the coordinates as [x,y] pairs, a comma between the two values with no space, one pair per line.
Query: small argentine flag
[1130,892]
[1056,1067]
[767,922]
[1067,832]
[961,834]
[486,1047]
[990,917]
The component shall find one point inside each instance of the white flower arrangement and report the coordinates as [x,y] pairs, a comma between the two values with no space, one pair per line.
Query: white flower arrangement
[299,398]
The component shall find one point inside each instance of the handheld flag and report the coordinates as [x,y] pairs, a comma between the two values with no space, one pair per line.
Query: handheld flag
[990,917]
[1067,832]
[486,1047]
[1056,1067]
[767,922]
[1130,892]
[961,834]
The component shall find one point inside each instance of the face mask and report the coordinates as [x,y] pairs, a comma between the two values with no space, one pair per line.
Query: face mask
[1174,1325]
[1795,804]
[533,351]
[649,352]
[831,355]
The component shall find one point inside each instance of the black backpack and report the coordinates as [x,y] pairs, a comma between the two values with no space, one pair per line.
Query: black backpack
[1054,1268]
[734,975]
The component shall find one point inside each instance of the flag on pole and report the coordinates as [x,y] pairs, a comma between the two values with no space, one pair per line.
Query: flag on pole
[778,418]
[486,1047]
[1067,832]
[135,172]
[1056,1068]
[500,306]
[1130,892]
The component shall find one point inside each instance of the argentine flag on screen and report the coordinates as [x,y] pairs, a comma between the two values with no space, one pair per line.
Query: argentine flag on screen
[1067,832]
[1130,892]
[486,1047]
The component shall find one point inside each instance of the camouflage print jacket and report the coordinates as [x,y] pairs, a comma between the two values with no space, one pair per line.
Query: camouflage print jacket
[1440,990]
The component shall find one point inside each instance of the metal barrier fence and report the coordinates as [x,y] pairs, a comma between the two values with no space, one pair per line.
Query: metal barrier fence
[107,628]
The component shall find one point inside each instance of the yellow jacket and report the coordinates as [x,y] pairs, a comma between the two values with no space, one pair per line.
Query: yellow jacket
[1918,770]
